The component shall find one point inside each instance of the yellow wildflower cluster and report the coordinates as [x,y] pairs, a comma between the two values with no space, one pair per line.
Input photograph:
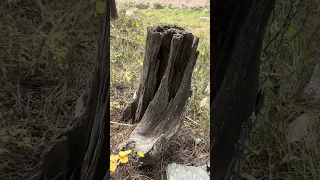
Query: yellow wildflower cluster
[121,157]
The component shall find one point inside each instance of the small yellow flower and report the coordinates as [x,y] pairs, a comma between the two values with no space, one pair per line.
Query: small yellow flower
[140,154]
[113,166]
[124,159]
[114,157]
[114,162]
[137,25]
[123,155]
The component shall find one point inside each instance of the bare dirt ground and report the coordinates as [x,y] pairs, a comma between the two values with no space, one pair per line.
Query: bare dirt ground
[189,3]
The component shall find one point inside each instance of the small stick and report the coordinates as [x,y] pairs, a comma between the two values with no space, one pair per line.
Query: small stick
[191,120]
[120,123]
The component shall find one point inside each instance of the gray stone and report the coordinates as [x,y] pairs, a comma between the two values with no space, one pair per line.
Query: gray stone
[205,166]
[204,18]
[135,95]
[182,172]
[312,90]
[299,128]
[207,90]
[80,105]
[131,12]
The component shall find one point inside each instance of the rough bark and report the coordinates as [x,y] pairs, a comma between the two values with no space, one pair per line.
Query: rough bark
[165,84]
[81,153]
[95,164]
[237,34]
[113,9]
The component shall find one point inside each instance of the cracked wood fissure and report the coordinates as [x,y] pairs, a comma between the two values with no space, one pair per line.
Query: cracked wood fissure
[165,84]
[237,39]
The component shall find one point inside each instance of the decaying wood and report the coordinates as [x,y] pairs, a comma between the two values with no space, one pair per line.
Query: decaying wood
[238,30]
[113,9]
[81,152]
[94,165]
[165,83]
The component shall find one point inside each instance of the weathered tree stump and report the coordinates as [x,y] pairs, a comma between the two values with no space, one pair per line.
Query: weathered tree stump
[237,35]
[164,89]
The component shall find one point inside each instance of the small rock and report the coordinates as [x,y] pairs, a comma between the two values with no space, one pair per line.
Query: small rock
[204,18]
[135,95]
[299,128]
[205,167]
[207,90]
[131,12]
[312,90]
[80,106]
[204,102]
[182,172]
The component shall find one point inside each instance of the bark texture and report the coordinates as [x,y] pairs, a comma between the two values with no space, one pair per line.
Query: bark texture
[237,35]
[165,86]
[113,9]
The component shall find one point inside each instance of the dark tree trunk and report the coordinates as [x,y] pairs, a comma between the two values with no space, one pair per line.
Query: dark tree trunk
[113,9]
[81,153]
[237,35]
[165,84]
[95,164]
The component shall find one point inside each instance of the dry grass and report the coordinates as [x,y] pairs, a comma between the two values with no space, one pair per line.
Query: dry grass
[267,152]
[47,51]
[126,57]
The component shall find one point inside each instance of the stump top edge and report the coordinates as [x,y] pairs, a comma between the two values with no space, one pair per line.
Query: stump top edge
[168,28]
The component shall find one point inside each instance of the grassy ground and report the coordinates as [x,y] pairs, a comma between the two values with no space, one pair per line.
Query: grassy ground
[127,48]
[268,155]
[47,51]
